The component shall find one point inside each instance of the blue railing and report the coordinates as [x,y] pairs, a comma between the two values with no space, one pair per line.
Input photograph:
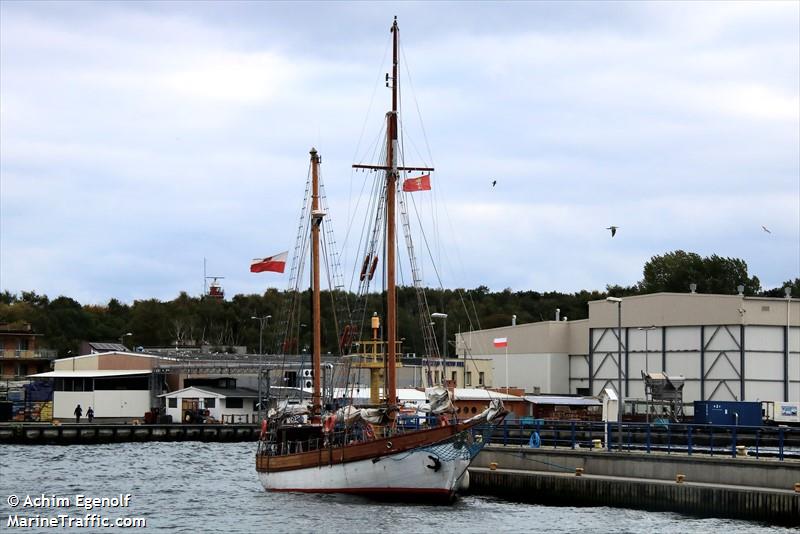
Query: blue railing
[670,438]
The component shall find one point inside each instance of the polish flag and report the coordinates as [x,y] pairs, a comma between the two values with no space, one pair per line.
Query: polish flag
[500,342]
[276,263]
[420,183]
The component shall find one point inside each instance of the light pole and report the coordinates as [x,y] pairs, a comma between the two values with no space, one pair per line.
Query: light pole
[646,349]
[646,359]
[444,337]
[619,367]
[261,322]
[122,339]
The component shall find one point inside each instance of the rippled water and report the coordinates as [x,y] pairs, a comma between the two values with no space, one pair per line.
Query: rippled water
[212,487]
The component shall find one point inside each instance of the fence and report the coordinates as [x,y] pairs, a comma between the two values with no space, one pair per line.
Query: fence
[678,438]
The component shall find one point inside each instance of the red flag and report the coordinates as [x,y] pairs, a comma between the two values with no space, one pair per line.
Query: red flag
[420,183]
[500,342]
[276,263]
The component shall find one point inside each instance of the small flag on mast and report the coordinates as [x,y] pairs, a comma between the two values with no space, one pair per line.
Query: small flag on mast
[276,263]
[500,342]
[420,183]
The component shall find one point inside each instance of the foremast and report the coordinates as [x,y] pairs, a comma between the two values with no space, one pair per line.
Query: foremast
[392,174]
[316,221]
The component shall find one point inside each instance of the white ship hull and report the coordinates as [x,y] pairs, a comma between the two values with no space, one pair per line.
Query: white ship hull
[416,472]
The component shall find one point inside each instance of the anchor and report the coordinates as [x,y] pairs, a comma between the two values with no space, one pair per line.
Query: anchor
[437,464]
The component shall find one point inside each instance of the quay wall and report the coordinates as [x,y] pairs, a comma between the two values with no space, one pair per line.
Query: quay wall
[70,434]
[740,471]
[773,506]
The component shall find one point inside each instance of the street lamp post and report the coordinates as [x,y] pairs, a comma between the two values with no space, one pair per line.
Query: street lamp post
[261,322]
[646,358]
[619,367]
[646,348]
[122,338]
[444,337]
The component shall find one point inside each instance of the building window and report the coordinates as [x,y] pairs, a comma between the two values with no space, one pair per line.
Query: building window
[173,402]
[437,377]
[210,402]
[453,376]
[234,402]
[582,391]
[480,379]
[468,378]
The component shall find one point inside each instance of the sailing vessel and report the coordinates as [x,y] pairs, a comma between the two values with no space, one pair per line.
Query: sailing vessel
[364,450]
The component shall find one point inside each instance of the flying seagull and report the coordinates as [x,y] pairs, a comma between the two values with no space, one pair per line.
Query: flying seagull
[613,230]
[494,183]
[765,229]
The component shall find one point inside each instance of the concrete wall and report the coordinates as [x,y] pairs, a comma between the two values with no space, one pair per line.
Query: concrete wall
[751,472]
[106,403]
[548,372]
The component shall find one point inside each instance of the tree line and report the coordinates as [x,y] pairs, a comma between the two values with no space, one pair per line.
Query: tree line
[222,324]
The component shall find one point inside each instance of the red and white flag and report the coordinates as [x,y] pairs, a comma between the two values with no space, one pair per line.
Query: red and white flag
[420,183]
[500,342]
[276,263]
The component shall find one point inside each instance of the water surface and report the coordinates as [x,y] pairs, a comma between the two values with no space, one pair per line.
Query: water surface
[213,487]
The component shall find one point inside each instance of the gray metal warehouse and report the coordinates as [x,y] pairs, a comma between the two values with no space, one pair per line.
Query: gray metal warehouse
[728,347]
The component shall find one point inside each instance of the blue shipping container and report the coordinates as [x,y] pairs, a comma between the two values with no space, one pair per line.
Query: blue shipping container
[728,413]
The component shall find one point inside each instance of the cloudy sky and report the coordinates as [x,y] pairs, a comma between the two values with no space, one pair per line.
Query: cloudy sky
[138,138]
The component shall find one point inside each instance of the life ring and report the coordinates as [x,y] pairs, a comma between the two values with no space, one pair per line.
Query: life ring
[535,442]
[444,420]
[263,428]
[369,433]
[329,424]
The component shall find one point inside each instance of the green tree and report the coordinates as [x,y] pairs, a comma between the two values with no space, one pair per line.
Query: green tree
[674,271]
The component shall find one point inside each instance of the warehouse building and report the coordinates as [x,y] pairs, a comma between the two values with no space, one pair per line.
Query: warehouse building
[728,347]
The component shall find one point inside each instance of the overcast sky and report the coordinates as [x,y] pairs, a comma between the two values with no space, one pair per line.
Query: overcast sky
[138,138]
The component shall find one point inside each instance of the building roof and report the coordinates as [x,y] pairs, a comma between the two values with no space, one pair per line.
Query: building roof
[90,374]
[108,347]
[215,392]
[563,401]
[482,394]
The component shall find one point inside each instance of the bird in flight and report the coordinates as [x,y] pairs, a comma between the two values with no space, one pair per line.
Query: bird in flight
[494,183]
[765,229]
[613,230]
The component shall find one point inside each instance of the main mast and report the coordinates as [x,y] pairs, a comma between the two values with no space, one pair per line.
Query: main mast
[392,174]
[391,189]
[316,326]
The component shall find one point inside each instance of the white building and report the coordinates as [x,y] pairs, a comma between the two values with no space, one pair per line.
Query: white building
[728,347]
[116,385]
[228,405]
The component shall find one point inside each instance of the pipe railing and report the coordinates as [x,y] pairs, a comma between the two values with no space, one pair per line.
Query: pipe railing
[670,438]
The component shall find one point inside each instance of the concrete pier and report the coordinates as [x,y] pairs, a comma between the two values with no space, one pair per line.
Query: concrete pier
[745,488]
[70,434]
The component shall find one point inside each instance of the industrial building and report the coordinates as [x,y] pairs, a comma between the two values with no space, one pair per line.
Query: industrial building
[727,347]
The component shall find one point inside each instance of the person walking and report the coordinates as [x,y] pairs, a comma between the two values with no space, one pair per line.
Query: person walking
[78,413]
[90,414]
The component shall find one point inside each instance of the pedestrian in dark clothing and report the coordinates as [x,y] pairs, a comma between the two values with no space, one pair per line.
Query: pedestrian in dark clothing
[90,414]
[78,413]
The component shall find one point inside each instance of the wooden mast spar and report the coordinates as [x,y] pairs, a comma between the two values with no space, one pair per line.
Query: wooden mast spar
[316,221]
[392,172]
